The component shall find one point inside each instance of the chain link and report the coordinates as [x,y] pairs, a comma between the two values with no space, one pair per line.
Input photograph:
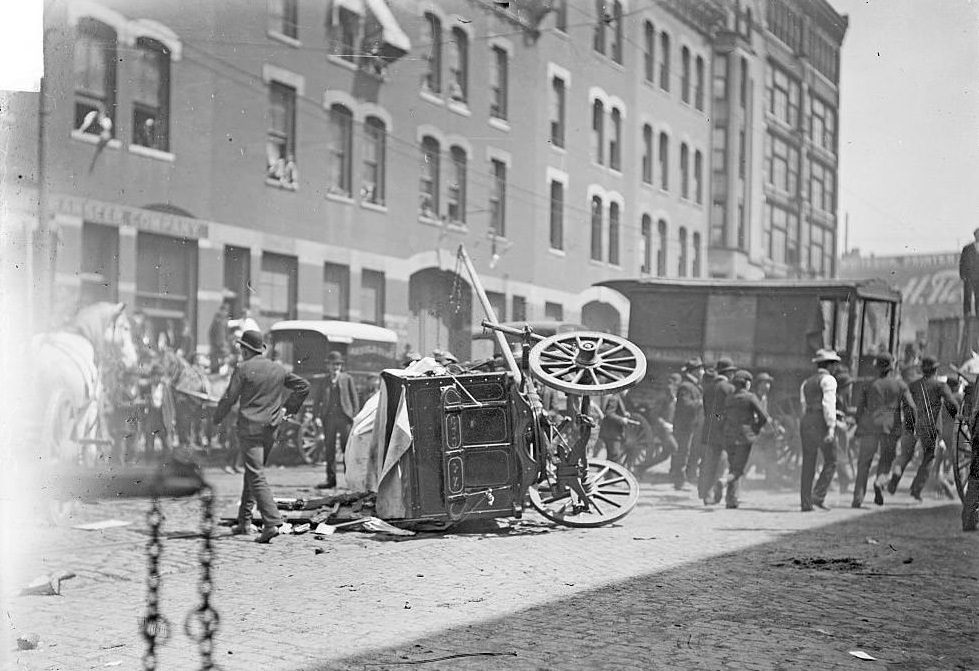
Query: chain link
[206,616]
[154,628]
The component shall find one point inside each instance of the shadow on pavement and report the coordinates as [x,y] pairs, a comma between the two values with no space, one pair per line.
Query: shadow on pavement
[899,585]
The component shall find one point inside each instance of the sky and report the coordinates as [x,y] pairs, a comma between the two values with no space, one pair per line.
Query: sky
[909,118]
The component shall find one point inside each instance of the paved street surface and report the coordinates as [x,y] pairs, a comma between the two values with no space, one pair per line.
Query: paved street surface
[674,585]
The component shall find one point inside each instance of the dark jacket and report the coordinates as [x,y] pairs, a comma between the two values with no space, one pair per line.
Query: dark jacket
[880,406]
[743,418]
[615,420]
[715,397]
[258,384]
[349,402]
[929,393]
[689,404]
[969,264]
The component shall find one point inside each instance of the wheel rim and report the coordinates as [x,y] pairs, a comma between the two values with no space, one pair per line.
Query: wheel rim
[612,494]
[641,450]
[588,363]
[961,458]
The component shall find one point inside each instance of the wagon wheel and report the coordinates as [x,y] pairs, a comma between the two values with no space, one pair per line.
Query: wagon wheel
[612,493]
[309,442]
[587,363]
[641,449]
[961,458]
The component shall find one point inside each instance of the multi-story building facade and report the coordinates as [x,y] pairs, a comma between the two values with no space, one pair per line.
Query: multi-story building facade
[326,159]
[775,146]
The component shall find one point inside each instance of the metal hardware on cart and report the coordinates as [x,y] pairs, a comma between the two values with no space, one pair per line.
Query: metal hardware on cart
[206,616]
[154,627]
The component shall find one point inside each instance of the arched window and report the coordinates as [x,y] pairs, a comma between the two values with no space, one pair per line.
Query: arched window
[661,251]
[615,141]
[698,88]
[375,150]
[685,75]
[433,74]
[598,131]
[649,52]
[647,154]
[341,149]
[664,161]
[698,177]
[95,77]
[596,228]
[647,245]
[684,171]
[664,61]
[598,42]
[613,233]
[681,260]
[428,193]
[697,270]
[459,66]
[457,186]
[151,95]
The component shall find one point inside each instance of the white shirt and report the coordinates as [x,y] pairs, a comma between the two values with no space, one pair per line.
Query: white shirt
[827,383]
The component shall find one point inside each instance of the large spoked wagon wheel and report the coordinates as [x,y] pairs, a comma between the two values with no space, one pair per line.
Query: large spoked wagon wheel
[309,442]
[587,363]
[641,450]
[611,492]
[961,458]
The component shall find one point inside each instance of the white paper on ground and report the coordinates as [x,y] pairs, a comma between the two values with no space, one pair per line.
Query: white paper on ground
[860,654]
[102,524]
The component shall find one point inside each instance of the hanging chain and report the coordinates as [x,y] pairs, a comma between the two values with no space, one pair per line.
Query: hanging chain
[455,297]
[154,627]
[206,616]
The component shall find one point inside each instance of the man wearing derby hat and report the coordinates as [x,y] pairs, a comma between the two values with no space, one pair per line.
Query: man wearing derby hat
[817,429]
[709,487]
[257,384]
[335,404]
[688,421]
[929,394]
[880,407]
[743,419]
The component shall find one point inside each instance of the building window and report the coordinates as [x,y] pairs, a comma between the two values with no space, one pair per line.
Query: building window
[698,87]
[497,201]
[518,305]
[95,78]
[336,291]
[742,153]
[661,251]
[681,259]
[598,131]
[617,31]
[783,96]
[698,177]
[718,224]
[238,277]
[557,111]
[499,73]
[647,154]
[649,52]
[372,297]
[557,215]
[719,149]
[561,15]
[613,234]
[685,75]
[780,230]
[596,228]
[151,95]
[429,187]
[742,229]
[697,270]
[782,165]
[615,141]
[720,76]
[375,151]
[459,66]
[457,186]
[684,171]
[664,61]
[647,245]
[281,142]
[744,82]
[341,150]
[345,45]
[497,301]
[284,18]
[553,311]
[822,125]
[822,187]
[598,42]
[664,161]
[433,74]
[277,286]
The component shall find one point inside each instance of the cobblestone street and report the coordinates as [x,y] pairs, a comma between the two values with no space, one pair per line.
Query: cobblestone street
[674,585]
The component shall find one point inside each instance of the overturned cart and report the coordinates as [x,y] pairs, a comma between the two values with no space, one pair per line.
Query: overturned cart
[453,443]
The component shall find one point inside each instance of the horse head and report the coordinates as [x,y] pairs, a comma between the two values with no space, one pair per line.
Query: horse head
[107,327]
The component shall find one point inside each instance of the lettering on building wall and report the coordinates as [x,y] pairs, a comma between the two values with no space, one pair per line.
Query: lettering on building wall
[939,287]
[114,214]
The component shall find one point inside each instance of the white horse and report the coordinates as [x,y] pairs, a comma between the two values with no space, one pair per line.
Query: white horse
[69,382]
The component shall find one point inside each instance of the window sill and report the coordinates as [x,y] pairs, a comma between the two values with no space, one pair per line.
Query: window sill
[376,207]
[559,253]
[557,147]
[433,98]
[342,62]
[460,107]
[285,39]
[617,172]
[340,198]
[499,124]
[281,185]
[596,263]
[458,227]
[88,138]
[646,185]
[428,220]
[149,152]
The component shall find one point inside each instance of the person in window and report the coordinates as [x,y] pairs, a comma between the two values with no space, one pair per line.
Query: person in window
[290,173]
[969,273]
[146,133]
[335,404]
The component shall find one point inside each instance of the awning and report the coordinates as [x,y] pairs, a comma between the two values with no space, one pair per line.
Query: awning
[391,34]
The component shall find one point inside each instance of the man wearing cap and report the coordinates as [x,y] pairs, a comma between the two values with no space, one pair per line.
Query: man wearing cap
[743,419]
[929,394]
[880,407]
[688,421]
[817,429]
[335,404]
[709,487]
[257,384]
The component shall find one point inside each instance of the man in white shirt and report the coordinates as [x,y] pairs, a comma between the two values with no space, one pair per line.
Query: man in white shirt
[818,429]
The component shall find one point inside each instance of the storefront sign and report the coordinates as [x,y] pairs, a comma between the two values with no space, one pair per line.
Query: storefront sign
[115,214]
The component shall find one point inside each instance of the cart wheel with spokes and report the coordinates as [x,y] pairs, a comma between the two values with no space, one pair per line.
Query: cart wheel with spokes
[961,457]
[587,363]
[611,494]
[641,449]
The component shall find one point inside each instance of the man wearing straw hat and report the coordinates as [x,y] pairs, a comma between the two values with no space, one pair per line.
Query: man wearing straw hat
[817,429]
[257,384]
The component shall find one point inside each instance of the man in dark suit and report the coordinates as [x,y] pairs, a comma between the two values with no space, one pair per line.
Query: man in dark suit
[688,420]
[743,419]
[335,405]
[880,407]
[969,272]
[257,384]
[709,487]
